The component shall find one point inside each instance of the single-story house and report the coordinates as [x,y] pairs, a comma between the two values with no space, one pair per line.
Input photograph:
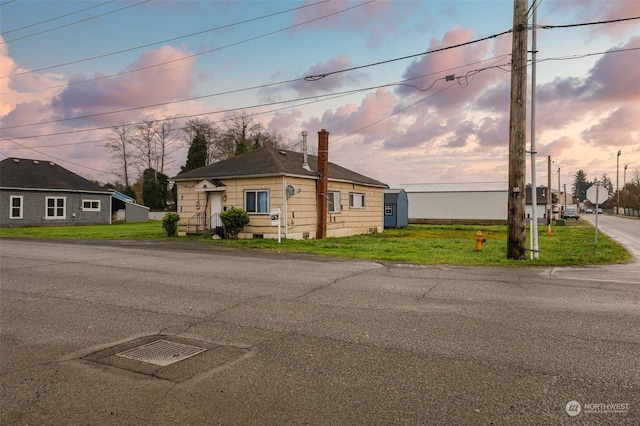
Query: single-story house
[396,208]
[42,193]
[316,198]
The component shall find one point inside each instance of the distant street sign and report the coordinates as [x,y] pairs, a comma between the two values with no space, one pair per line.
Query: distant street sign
[595,194]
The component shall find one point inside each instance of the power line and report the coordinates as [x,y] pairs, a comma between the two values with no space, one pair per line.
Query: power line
[232,92]
[56,18]
[76,22]
[158,42]
[204,52]
[321,76]
[55,158]
[396,112]
[584,24]
[286,101]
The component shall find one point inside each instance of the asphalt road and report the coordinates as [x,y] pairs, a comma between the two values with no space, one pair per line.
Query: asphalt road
[309,340]
[624,230]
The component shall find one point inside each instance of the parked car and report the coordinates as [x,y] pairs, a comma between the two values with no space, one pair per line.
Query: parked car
[571,212]
[589,211]
[599,211]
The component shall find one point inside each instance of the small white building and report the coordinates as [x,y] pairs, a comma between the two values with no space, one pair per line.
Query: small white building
[462,202]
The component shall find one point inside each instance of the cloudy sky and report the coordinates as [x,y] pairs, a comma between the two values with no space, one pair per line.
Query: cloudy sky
[71,69]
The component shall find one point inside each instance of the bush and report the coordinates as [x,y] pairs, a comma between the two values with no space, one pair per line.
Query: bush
[170,223]
[234,220]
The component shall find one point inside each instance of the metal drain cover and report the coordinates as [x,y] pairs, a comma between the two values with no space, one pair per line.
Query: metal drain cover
[161,352]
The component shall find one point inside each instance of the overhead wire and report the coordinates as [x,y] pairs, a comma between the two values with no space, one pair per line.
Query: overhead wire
[585,24]
[227,93]
[51,156]
[206,51]
[157,43]
[321,76]
[3,33]
[76,22]
[382,62]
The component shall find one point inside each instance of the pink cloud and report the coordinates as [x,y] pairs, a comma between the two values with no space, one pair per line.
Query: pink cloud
[355,19]
[555,148]
[329,83]
[613,82]
[493,131]
[351,118]
[129,90]
[435,66]
[619,128]
[283,120]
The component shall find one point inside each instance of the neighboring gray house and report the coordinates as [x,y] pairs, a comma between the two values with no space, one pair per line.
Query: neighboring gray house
[396,208]
[42,193]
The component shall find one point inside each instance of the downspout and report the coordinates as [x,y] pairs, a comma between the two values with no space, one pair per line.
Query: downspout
[323,183]
[284,205]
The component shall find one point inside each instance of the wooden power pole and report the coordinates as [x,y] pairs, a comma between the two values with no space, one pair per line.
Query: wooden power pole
[516,232]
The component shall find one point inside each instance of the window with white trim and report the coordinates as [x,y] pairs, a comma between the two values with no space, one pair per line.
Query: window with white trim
[16,207]
[56,208]
[256,201]
[334,202]
[90,205]
[356,200]
[388,209]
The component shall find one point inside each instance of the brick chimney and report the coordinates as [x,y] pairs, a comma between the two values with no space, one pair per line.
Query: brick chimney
[323,183]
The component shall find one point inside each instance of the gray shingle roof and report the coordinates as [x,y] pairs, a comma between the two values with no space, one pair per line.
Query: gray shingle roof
[40,174]
[270,161]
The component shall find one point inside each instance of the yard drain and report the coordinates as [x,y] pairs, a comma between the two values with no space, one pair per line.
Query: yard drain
[161,352]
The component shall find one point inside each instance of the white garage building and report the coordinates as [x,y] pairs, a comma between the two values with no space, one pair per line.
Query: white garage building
[464,202]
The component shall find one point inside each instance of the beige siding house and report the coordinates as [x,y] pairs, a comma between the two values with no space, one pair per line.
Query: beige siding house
[270,178]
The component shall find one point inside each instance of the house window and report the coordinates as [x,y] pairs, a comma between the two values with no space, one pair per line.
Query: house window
[55,208]
[334,202]
[256,201]
[356,201]
[388,209]
[16,207]
[91,205]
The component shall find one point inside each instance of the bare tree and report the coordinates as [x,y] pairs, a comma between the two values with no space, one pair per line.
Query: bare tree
[242,134]
[120,146]
[146,145]
[167,136]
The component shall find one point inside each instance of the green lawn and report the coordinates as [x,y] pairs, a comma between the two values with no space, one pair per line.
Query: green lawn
[569,245]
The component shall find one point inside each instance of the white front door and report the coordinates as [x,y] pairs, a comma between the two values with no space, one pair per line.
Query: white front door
[215,207]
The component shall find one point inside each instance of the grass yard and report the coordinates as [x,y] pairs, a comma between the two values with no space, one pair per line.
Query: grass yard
[570,245]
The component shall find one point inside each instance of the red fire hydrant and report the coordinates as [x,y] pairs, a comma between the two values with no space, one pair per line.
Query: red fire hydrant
[479,240]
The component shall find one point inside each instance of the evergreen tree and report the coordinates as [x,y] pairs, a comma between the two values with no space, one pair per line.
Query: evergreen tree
[580,186]
[154,189]
[606,183]
[197,155]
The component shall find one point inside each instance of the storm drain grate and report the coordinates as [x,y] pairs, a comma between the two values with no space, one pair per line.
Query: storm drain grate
[161,352]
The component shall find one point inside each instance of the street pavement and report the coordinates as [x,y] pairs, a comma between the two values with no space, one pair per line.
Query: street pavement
[624,230]
[295,339]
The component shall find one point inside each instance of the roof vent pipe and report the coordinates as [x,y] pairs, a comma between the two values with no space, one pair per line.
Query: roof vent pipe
[305,163]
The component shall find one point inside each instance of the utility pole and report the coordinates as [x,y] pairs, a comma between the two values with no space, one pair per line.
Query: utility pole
[516,232]
[549,199]
[534,185]
[559,199]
